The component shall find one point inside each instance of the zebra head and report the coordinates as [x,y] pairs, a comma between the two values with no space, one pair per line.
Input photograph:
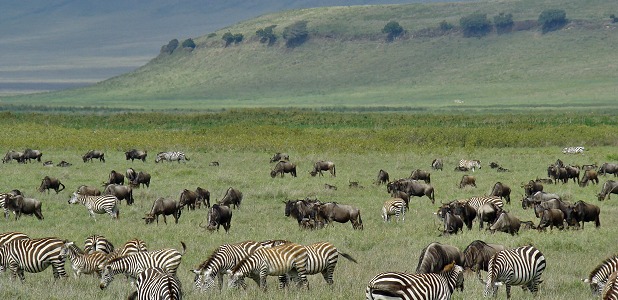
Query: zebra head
[204,279]
[198,279]
[107,276]
[74,199]
[237,279]
[64,251]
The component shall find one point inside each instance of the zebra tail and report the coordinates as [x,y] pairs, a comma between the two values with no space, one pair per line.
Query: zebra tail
[184,248]
[348,257]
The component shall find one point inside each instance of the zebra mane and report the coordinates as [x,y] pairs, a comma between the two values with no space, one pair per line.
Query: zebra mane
[611,262]
[209,260]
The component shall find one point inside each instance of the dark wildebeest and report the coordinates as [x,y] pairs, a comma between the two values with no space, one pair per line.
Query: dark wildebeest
[462,169]
[494,165]
[506,222]
[94,154]
[452,223]
[214,164]
[203,197]
[418,174]
[30,154]
[572,173]
[19,205]
[557,173]
[466,212]
[163,207]
[279,157]
[589,175]
[188,198]
[608,168]
[48,163]
[302,209]
[467,180]
[583,212]
[332,211]
[115,178]
[64,164]
[130,174]
[412,188]
[14,155]
[501,169]
[435,256]
[219,215]
[532,187]
[51,183]
[436,164]
[488,212]
[88,190]
[122,192]
[501,190]
[136,154]
[477,255]
[551,217]
[283,167]
[330,187]
[232,197]
[141,179]
[321,165]
[383,177]
[609,187]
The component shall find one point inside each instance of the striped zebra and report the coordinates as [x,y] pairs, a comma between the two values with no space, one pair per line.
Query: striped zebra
[156,283]
[469,164]
[98,204]
[397,285]
[132,265]
[97,242]
[3,201]
[33,256]
[478,202]
[573,150]
[598,277]
[519,266]
[7,237]
[610,291]
[396,207]
[81,262]
[171,156]
[129,248]
[322,258]
[281,260]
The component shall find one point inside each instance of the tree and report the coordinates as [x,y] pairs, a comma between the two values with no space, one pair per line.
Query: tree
[393,30]
[295,34]
[238,37]
[552,19]
[228,38]
[267,35]
[188,43]
[170,47]
[475,25]
[503,22]
[613,18]
[445,26]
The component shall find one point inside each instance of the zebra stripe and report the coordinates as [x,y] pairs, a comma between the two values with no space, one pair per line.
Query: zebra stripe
[610,291]
[470,164]
[519,266]
[396,207]
[322,258]
[8,237]
[573,150]
[33,256]
[98,204]
[276,261]
[83,263]
[397,285]
[132,265]
[97,242]
[156,283]
[477,202]
[171,156]
[598,277]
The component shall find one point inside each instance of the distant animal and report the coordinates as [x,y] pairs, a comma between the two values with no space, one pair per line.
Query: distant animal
[64,164]
[83,262]
[171,156]
[394,207]
[130,174]
[19,205]
[279,157]
[462,169]
[437,164]
[332,211]
[203,197]
[136,154]
[600,274]
[156,283]
[532,187]
[219,215]
[30,154]
[412,188]
[506,222]
[188,198]
[51,183]
[13,155]
[99,243]
[573,150]
[589,175]
[435,256]
[321,165]
[494,165]
[330,187]
[421,175]
[477,255]
[382,177]
[355,185]
[48,163]
[519,266]
[470,164]
[232,197]
[88,190]
[121,192]
[467,180]
[165,207]
[97,204]
[283,167]
[91,154]
[501,190]
[583,212]
[33,256]
[608,168]
[609,187]
[141,179]
[214,164]
[115,178]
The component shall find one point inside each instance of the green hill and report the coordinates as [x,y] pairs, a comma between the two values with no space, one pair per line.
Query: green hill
[346,62]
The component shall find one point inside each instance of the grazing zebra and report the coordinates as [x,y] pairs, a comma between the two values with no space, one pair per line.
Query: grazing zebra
[469,164]
[129,248]
[33,256]
[171,156]
[573,150]
[98,204]
[322,258]
[132,265]
[397,285]
[598,277]
[281,260]
[477,202]
[396,207]
[156,283]
[86,263]
[519,266]
[97,242]
[610,291]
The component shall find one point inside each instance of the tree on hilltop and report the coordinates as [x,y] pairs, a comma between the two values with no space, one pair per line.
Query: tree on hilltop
[393,30]
[504,23]
[295,34]
[475,25]
[267,35]
[552,19]
[170,47]
[188,43]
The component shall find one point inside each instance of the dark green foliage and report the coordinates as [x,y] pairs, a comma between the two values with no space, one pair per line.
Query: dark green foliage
[188,43]
[211,35]
[552,19]
[267,35]
[295,34]
[393,30]
[170,47]
[503,22]
[228,38]
[613,18]
[445,26]
[475,25]
[238,37]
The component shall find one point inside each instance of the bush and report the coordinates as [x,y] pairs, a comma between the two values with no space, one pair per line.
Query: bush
[503,22]
[552,19]
[393,29]
[475,25]
[445,26]
[188,43]
[170,47]
[228,38]
[238,37]
[295,34]
[267,35]
[613,18]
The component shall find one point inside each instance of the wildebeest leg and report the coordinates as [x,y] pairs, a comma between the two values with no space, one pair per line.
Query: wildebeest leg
[164,219]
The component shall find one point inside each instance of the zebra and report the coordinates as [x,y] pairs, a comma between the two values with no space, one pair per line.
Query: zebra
[171,156]
[322,258]
[573,150]
[398,285]
[33,256]
[129,248]
[97,242]
[610,291]
[7,237]
[289,258]
[98,204]
[395,206]
[598,277]
[157,283]
[132,265]
[479,201]
[3,201]
[86,263]
[519,266]
[469,164]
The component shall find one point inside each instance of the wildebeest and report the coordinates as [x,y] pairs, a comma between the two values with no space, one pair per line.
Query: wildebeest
[506,222]
[452,223]
[88,190]
[115,178]
[48,163]
[94,154]
[412,188]
[64,164]
[418,174]
[13,155]
[303,209]
[551,217]
[330,187]
[501,190]
[30,154]
[122,192]
[232,197]
[279,157]
[435,256]
[355,185]
[556,173]
[203,197]
[532,187]
[219,215]
[538,197]
[19,205]
[283,167]
[493,165]
[462,169]
[321,165]
[383,177]
[583,212]
[214,164]
[136,154]
[467,180]
[488,212]
[163,207]
[589,175]
[608,168]
[333,211]
[477,255]
[572,173]
[130,174]
[436,164]
[51,183]
[609,187]
[466,212]
[188,198]
[141,179]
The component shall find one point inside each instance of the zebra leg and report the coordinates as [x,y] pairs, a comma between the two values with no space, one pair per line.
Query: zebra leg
[508,291]
[328,274]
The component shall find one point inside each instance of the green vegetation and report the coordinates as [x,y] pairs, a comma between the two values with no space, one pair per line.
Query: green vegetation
[504,23]
[295,34]
[393,30]
[475,25]
[267,35]
[188,43]
[552,19]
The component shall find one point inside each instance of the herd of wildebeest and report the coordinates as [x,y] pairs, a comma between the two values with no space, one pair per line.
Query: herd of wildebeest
[488,210]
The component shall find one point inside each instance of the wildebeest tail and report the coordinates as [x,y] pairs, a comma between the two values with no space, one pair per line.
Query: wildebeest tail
[348,257]
[62,185]
[184,248]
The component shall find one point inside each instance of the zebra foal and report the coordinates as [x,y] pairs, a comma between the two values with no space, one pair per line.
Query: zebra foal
[98,204]
[83,263]
[519,266]
[156,283]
